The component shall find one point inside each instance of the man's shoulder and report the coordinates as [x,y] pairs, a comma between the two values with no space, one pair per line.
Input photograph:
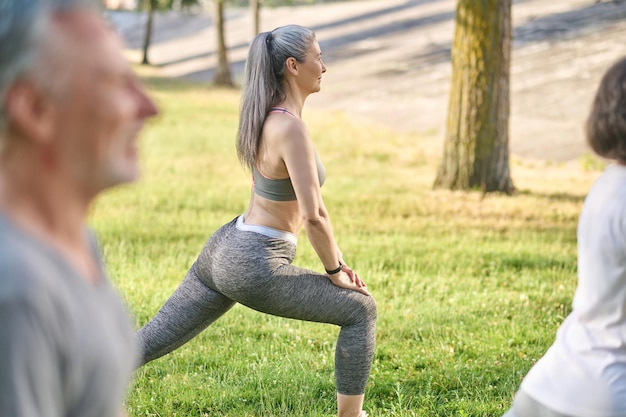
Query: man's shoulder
[22,267]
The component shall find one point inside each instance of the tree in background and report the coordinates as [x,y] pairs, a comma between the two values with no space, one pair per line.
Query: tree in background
[476,147]
[222,71]
[153,5]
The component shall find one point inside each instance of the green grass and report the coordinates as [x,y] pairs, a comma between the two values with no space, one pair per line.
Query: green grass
[470,289]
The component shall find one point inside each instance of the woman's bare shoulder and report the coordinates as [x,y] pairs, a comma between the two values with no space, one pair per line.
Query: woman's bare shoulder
[285,129]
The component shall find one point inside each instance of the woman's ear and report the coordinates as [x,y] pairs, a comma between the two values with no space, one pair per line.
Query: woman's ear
[292,65]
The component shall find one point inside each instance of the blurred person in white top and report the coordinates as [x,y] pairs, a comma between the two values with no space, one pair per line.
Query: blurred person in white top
[583,374]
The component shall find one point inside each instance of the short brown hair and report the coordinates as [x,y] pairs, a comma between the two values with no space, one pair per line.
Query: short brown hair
[606,125]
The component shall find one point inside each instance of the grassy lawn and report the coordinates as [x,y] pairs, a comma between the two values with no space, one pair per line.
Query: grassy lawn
[470,289]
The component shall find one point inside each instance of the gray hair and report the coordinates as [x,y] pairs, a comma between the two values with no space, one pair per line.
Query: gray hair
[606,125]
[24,29]
[262,86]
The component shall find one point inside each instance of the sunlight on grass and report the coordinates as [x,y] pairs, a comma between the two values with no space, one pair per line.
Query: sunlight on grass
[470,289]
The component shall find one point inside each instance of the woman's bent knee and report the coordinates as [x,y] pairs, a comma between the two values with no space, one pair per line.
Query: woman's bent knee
[366,310]
[370,307]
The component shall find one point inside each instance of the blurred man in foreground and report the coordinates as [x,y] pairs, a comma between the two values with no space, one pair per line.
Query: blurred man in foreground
[70,112]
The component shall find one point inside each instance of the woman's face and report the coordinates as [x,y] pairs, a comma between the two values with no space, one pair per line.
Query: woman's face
[312,68]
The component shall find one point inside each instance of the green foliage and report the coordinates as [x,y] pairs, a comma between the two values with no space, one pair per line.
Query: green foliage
[470,289]
[592,162]
[166,4]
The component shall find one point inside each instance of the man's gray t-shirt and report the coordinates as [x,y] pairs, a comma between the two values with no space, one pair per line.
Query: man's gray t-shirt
[67,346]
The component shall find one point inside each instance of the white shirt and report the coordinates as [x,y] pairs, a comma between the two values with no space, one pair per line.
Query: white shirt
[584,371]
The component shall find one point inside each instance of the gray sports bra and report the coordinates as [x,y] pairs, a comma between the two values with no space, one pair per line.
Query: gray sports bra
[281,189]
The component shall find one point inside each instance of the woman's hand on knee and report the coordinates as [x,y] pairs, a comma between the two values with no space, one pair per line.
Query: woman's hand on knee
[347,278]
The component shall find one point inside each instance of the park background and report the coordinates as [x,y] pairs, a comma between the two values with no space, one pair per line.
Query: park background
[471,288]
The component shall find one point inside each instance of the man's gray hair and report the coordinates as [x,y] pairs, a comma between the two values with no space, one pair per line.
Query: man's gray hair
[24,25]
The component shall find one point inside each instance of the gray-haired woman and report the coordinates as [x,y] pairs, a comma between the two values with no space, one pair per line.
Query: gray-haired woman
[249,259]
[583,374]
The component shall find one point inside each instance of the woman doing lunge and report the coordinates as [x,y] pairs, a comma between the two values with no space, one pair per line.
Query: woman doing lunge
[249,260]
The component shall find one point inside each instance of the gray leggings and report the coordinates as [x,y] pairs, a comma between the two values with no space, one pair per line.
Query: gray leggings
[255,270]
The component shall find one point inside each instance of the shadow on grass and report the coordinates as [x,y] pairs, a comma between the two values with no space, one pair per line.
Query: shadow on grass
[554,197]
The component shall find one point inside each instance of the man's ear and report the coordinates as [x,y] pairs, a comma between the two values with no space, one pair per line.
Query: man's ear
[30,111]
[292,65]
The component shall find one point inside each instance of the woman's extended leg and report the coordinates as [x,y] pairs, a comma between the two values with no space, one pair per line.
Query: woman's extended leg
[191,308]
[255,270]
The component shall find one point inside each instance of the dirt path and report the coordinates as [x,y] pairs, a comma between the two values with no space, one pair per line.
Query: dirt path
[389,61]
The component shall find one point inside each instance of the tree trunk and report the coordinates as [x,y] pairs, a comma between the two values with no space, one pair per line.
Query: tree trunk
[148,35]
[255,5]
[222,72]
[476,147]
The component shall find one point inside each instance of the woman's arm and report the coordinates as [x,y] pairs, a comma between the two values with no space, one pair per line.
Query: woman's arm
[298,154]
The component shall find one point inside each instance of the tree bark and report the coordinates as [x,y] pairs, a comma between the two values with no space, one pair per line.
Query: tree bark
[222,72]
[148,35]
[476,147]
